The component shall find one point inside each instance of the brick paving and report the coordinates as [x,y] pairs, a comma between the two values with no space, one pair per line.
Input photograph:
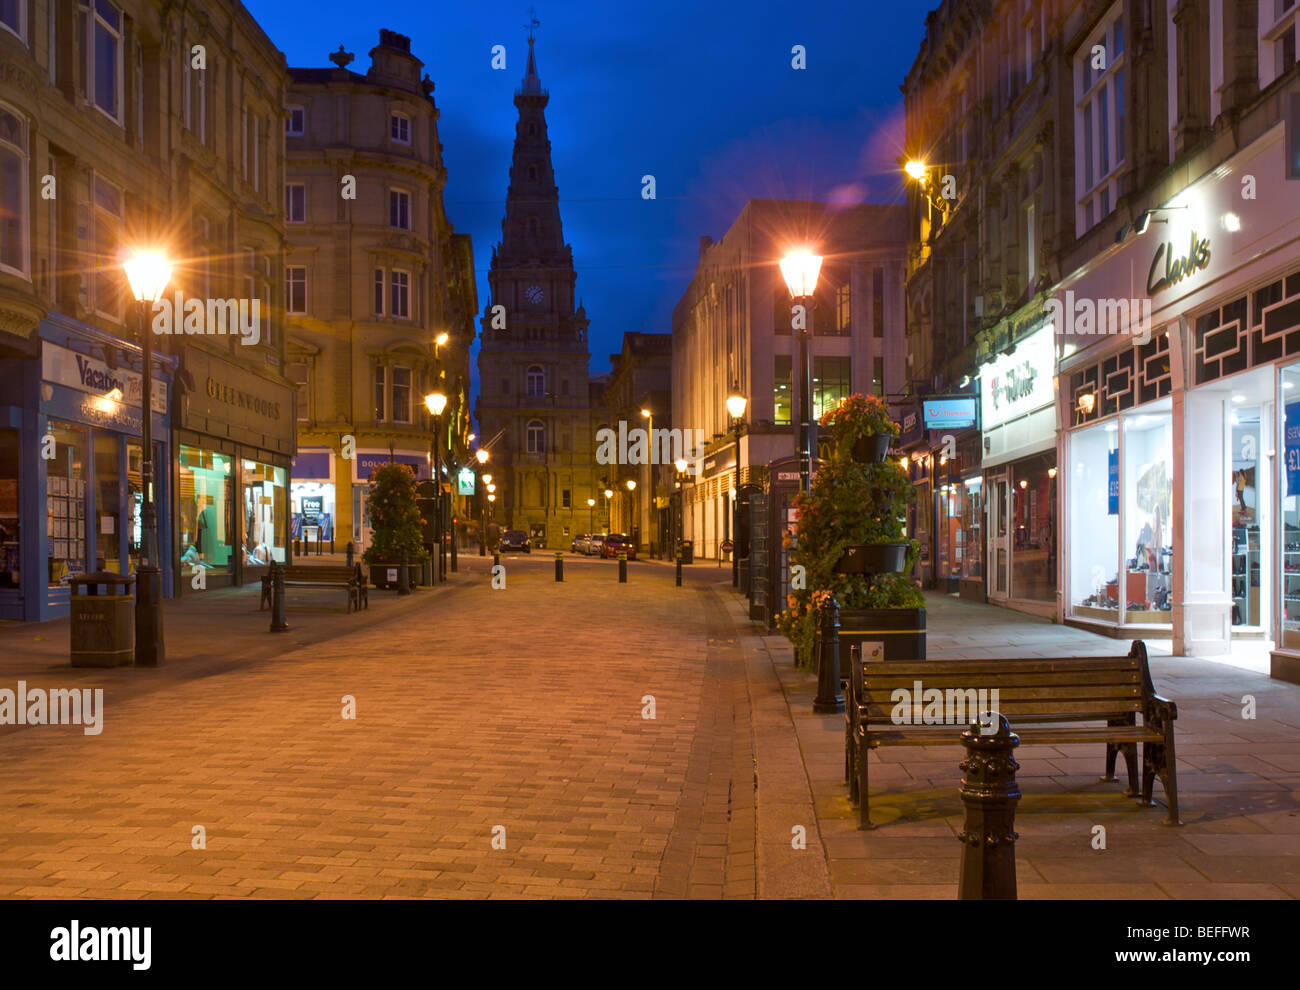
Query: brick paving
[1238,779]
[512,715]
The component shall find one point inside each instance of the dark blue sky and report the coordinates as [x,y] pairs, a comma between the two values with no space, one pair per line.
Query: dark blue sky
[699,94]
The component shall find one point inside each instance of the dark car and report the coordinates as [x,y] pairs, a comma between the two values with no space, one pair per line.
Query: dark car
[578,541]
[616,543]
[515,539]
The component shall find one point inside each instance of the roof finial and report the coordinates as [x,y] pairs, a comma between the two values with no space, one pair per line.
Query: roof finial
[533,22]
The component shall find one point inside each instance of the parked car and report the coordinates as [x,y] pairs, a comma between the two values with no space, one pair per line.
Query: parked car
[594,544]
[514,539]
[616,543]
[578,541]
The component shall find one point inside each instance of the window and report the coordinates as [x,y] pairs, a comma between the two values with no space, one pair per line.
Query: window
[247,142]
[13,15]
[1031,248]
[295,203]
[1099,120]
[781,394]
[1277,38]
[402,395]
[14,219]
[139,85]
[400,284]
[830,383]
[379,292]
[295,124]
[295,289]
[536,437]
[878,376]
[843,308]
[782,309]
[566,498]
[536,381]
[108,272]
[878,302]
[381,392]
[195,108]
[101,34]
[399,128]
[256,161]
[297,373]
[399,209]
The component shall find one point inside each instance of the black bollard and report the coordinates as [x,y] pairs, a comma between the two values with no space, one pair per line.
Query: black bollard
[277,598]
[559,565]
[622,567]
[828,700]
[679,572]
[403,579]
[351,549]
[297,546]
[496,559]
[990,793]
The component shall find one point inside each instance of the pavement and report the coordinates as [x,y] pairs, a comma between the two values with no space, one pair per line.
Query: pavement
[576,740]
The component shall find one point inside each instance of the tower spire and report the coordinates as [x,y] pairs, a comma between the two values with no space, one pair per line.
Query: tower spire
[532,83]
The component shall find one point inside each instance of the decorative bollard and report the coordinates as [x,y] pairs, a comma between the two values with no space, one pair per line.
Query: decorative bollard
[496,559]
[559,565]
[990,793]
[828,700]
[277,598]
[403,578]
[679,572]
[351,550]
[622,567]
[297,546]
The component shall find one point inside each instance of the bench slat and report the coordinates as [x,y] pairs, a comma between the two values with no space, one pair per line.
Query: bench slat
[1064,694]
[943,735]
[967,678]
[1044,665]
[1104,708]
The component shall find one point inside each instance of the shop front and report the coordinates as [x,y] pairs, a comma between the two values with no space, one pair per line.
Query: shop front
[944,467]
[234,443]
[1018,423]
[1182,457]
[70,459]
[312,506]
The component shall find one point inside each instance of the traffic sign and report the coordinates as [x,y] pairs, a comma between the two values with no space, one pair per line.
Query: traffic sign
[727,546]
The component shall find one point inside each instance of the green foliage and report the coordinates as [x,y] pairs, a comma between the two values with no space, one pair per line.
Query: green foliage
[849,504]
[395,520]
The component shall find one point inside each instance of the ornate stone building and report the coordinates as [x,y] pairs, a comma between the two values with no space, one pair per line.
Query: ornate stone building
[535,406]
[374,275]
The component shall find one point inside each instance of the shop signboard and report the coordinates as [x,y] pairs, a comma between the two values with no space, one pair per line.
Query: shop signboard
[948,414]
[312,507]
[465,482]
[1112,483]
[89,374]
[1018,383]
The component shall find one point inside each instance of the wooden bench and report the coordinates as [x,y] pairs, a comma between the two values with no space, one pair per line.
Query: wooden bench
[1040,697]
[349,579]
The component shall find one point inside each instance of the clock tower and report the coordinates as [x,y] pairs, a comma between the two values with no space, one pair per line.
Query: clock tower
[534,407]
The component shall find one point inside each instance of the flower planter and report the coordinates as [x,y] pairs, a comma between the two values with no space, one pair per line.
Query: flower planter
[902,630]
[379,574]
[874,558]
[871,449]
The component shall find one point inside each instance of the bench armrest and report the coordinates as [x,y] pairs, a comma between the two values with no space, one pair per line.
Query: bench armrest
[1159,713]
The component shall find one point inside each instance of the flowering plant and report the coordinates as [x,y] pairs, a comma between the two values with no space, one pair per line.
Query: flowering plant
[395,521]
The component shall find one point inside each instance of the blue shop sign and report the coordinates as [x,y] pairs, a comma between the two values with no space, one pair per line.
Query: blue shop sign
[948,414]
[1293,448]
[368,462]
[912,428]
[1112,483]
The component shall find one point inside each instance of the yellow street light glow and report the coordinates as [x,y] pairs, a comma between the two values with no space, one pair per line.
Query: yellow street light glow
[487,479]
[916,169]
[482,455]
[645,413]
[1087,402]
[491,488]
[492,498]
[471,438]
[591,502]
[148,273]
[800,270]
[1051,472]
[436,402]
[609,493]
[681,465]
[441,339]
[631,485]
[736,406]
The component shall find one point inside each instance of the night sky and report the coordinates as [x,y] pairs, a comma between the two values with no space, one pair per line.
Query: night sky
[701,95]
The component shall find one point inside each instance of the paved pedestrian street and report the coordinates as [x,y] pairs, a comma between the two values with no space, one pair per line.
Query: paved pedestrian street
[583,739]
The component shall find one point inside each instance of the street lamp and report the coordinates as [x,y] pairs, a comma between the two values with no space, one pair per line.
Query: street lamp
[736,410]
[649,484]
[800,270]
[591,516]
[436,402]
[481,455]
[148,273]
[609,509]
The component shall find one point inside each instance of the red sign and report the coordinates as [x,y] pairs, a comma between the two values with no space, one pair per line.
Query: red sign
[727,546]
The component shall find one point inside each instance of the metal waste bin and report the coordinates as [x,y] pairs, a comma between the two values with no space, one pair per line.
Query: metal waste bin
[103,626]
[686,551]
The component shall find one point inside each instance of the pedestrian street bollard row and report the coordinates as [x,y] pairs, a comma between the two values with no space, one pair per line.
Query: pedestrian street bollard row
[622,567]
[990,793]
[559,566]
[277,598]
[828,700]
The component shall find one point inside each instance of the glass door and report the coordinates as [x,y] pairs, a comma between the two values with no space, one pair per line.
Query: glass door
[999,555]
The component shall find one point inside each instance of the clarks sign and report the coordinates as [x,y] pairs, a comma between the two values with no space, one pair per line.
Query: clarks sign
[1177,269]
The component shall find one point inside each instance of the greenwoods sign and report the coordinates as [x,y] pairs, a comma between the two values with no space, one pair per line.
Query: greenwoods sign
[1177,269]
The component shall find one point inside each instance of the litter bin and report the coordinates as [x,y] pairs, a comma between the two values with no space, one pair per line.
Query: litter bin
[686,551]
[103,626]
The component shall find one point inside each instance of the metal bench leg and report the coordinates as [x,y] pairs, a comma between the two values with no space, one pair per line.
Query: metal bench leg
[1131,758]
[1169,777]
[1112,751]
[1150,760]
[864,806]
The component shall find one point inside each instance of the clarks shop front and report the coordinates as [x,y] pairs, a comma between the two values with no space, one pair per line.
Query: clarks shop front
[234,445]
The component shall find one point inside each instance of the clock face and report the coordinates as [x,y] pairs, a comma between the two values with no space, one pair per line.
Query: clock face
[534,294]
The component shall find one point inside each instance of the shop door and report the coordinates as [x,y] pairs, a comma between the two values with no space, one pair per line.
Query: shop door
[360,518]
[999,554]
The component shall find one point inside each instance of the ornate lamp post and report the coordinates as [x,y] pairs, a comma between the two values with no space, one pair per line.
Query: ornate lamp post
[609,509]
[800,271]
[631,502]
[591,515]
[148,273]
[481,455]
[736,410]
[436,402]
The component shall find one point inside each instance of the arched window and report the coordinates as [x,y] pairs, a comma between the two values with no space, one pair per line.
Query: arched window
[536,437]
[536,381]
[14,217]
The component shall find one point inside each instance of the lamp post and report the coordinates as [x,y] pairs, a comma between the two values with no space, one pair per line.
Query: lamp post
[148,273]
[591,516]
[736,410]
[648,416]
[800,271]
[609,510]
[436,402]
[481,455]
